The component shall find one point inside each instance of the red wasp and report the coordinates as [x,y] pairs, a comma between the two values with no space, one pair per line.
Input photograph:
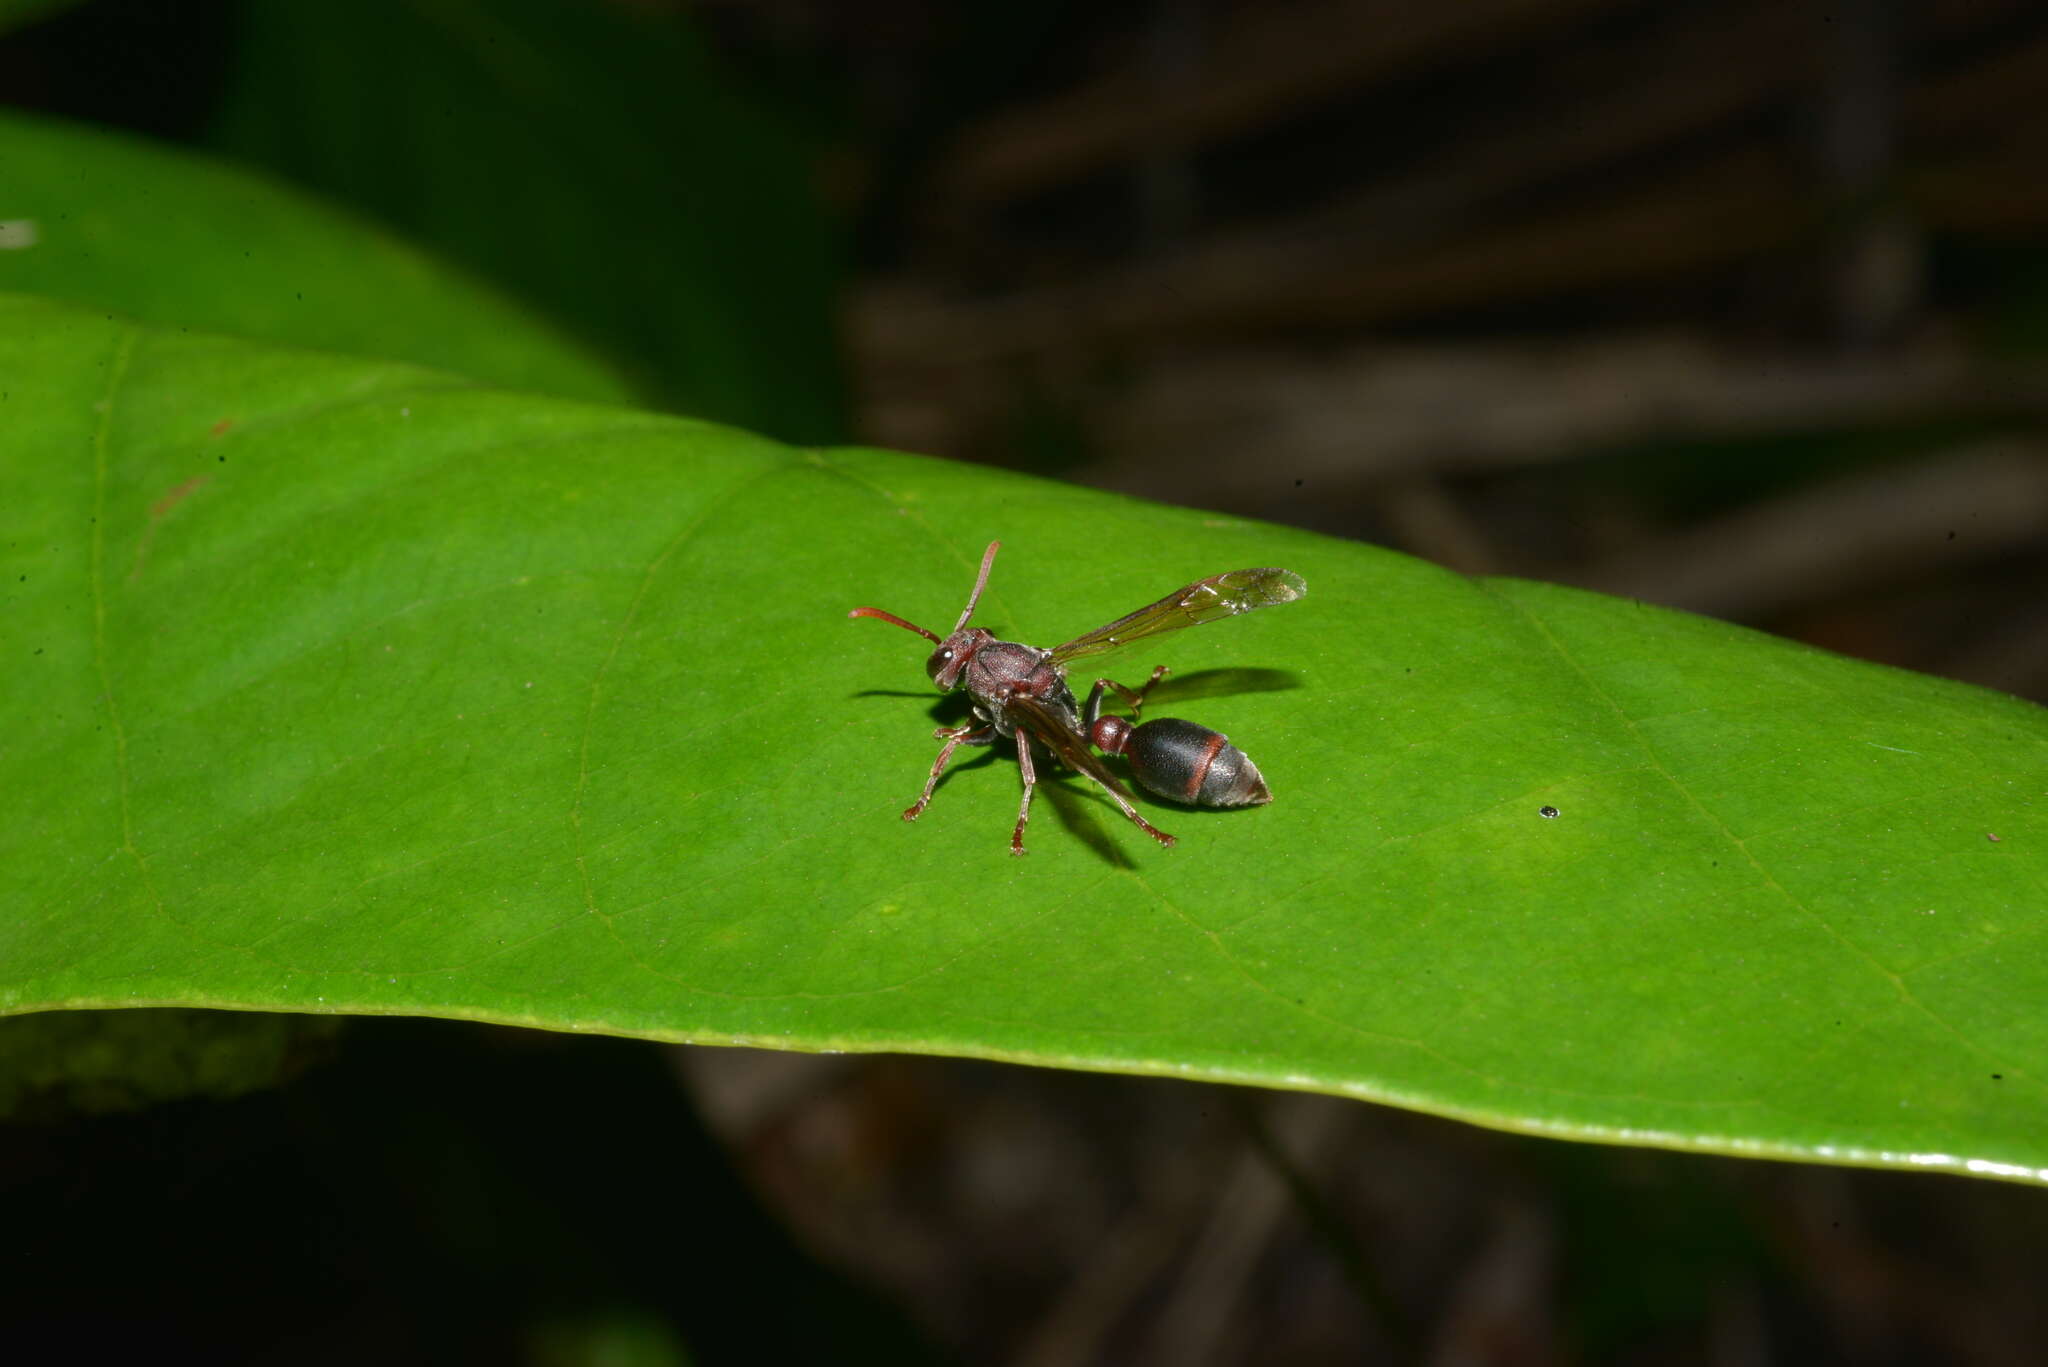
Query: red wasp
[1021,691]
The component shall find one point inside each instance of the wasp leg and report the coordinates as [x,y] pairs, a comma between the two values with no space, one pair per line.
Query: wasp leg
[955,737]
[1133,697]
[1073,748]
[1030,782]
[1124,805]
[1138,701]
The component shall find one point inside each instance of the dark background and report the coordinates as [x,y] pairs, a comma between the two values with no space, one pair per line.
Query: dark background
[1740,307]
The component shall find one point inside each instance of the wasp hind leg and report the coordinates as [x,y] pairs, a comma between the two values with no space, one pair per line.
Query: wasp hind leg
[1124,805]
[1134,698]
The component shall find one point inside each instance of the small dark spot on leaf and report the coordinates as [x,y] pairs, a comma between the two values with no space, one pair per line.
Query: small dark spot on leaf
[1951,533]
[1298,483]
[1547,813]
[1998,1077]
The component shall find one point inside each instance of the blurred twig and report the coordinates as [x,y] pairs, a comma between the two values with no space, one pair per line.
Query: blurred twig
[1322,1119]
[1359,418]
[1119,1270]
[1498,1314]
[1243,1222]
[1280,58]
[1734,205]
[1847,534]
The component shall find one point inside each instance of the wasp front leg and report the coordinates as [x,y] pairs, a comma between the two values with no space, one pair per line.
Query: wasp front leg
[1030,773]
[955,737]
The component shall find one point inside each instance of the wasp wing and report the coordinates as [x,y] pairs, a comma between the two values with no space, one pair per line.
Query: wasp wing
[1205,600]
[1050,730]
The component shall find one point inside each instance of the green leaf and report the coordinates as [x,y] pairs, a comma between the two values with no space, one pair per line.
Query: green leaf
[341,687]
[16,14]
[67,1063]
[115,223]
[593,158]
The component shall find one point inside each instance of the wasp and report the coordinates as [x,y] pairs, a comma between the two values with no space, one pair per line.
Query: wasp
[1020,691]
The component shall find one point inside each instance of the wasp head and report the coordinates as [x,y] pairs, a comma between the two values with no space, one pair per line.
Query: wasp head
[949,661]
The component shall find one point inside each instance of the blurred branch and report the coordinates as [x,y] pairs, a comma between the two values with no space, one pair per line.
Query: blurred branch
[1878,1296]
[1874,248]
[1434,241]
[1120,1270]
[1844,535]
[1983,100]
[1316,275]
[1499,1312]
[1247,1213]
[2001,193]
[2012,653]
[1376,412]
[1318,1123]
[1426,520]
[1278,60]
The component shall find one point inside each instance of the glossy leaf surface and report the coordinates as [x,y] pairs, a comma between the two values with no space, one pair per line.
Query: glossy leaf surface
[16,14]
[598,160]
[160,234]
[339,686]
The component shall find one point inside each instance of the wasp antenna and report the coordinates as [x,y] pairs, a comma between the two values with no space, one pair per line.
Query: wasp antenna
[988,558]
[894,619]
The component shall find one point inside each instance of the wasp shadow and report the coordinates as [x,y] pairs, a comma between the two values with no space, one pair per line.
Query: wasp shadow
[1084,813]
[1217,683]
[947,709]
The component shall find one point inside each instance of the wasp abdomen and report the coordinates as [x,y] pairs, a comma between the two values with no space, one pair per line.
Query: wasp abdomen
[1187,762]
